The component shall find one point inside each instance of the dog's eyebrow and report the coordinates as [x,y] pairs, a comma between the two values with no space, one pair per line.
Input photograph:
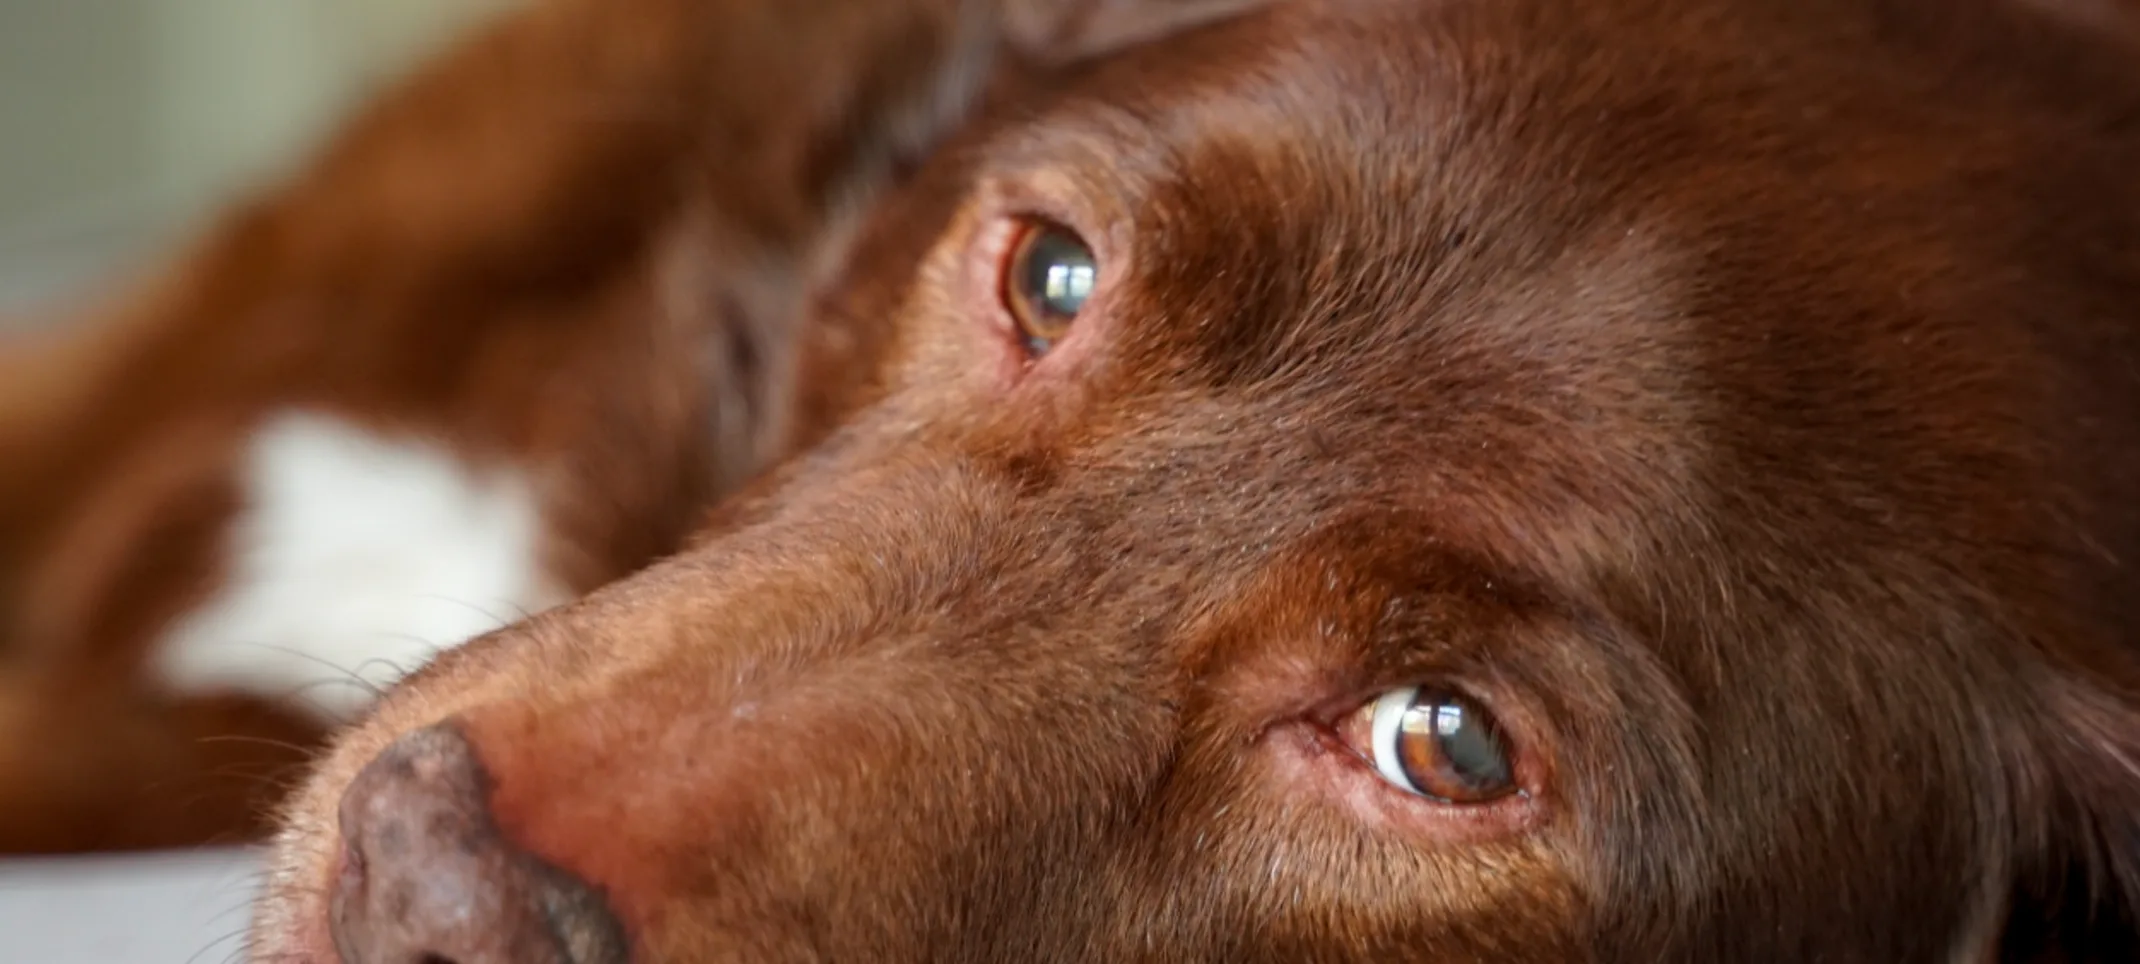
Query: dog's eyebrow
[1091,142]
[1422,569]
[1564,664]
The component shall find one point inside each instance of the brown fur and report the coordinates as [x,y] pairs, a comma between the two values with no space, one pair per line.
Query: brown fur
[570,246]
[1740,396]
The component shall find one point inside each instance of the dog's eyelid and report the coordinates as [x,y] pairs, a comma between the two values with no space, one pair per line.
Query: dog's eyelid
[1484,665]
[1061,194]
[1435,747]
[1004,218]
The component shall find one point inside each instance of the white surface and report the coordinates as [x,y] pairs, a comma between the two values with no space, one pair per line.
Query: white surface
[358,559]
[181,908]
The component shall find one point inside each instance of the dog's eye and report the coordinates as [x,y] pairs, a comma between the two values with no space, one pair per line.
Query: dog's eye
[1050,274]
[1434,743]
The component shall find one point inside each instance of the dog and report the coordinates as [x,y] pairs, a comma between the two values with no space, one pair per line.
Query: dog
[1333,480]
[505,341]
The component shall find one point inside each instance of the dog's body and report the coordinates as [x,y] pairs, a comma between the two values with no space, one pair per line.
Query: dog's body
[1736,403]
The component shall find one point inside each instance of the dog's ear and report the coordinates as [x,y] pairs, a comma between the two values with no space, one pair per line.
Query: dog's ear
[1063,31]
[920,67]
[2078,899]
[2114,19]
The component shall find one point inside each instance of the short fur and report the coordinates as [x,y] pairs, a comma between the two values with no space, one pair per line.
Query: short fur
[1740,396]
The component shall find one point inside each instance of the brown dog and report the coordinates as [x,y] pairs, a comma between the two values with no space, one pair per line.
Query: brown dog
[1365,480]
[505,342]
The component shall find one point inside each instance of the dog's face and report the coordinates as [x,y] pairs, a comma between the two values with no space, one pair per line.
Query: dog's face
[1367,481]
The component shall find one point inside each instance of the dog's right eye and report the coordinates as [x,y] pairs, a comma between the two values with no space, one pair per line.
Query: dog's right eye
[1050,274]
[1435,744]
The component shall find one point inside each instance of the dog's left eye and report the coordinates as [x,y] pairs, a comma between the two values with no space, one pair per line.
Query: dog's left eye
[1433,743]
[1050,274]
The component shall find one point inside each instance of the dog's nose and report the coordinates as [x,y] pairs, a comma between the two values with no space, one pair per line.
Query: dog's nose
[428,878]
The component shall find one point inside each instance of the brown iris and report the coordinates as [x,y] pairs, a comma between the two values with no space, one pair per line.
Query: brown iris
[1435,743]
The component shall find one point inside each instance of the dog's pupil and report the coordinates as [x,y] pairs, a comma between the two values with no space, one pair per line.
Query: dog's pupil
[1466,749]
[1059,275]
[1475,753]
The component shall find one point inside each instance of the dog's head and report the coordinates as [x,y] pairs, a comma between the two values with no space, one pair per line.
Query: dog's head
[1374,481]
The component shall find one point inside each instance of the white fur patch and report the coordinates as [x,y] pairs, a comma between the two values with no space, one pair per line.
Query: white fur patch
[356,559]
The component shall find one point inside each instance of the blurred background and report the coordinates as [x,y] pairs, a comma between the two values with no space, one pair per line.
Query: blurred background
[124,126]
[124,123]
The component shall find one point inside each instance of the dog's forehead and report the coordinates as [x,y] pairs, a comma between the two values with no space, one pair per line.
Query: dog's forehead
[1317,177]
[1389,215]
[1597,282]
[1480,259]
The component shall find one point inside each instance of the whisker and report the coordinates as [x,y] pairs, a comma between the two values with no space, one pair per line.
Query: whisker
[279,783]
[323,662]
[482,611]
[303,690]
[266,741]
[236,935]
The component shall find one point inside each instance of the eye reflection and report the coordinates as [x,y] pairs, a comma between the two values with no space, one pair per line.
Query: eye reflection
[1052,273]
[1440,745]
